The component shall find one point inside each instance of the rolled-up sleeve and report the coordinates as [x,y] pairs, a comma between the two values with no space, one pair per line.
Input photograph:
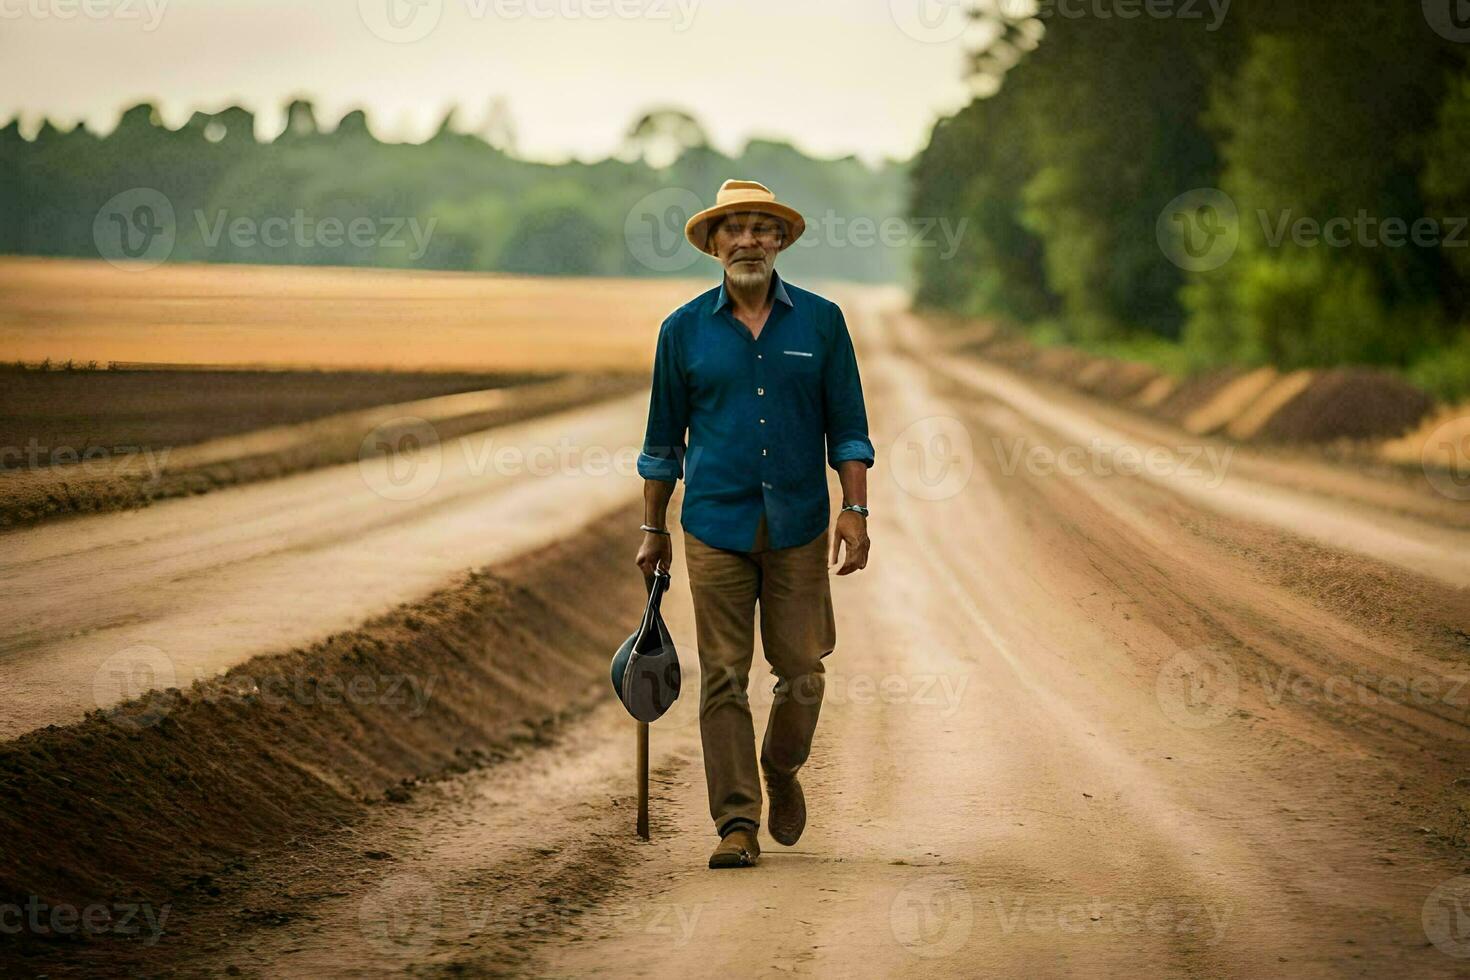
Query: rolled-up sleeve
[842,393]
[662,457]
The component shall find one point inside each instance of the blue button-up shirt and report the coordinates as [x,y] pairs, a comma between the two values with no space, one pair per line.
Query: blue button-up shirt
[762,414]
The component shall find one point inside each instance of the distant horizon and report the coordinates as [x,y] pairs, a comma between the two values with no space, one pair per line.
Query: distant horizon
[830,78]
[270,124]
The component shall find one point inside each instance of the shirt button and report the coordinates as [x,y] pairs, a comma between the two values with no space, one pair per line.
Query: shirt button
[763,421]
[759,356]
[763,452]
[766,485]
[760,391]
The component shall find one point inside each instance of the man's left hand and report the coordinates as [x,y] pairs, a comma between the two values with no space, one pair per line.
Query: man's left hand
[852,530]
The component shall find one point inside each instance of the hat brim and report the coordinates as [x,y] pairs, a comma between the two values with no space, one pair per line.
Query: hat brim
[697,227]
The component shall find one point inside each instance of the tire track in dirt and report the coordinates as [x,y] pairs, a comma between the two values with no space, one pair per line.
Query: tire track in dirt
[1010,777]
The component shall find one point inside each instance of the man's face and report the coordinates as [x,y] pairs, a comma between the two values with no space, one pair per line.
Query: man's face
[746,244]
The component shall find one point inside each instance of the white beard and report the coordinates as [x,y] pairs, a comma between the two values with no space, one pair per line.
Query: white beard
[749,280]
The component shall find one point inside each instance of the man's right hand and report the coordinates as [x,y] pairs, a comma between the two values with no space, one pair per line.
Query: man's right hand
[656,551]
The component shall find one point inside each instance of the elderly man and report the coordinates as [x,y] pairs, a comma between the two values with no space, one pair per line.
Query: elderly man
[762,376]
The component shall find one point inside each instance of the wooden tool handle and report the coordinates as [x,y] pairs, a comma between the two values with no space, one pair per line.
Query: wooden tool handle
[643,779]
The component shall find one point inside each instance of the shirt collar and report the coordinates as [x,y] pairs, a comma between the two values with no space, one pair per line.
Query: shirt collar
[779,287]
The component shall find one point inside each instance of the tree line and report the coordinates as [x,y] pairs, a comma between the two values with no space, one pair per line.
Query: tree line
[1288,183]
[340,196]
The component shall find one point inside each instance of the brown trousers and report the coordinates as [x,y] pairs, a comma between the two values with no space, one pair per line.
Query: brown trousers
[798,629]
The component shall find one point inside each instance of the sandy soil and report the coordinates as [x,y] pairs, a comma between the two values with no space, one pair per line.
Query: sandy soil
[153,472]
[330,318]
[190,587]
[149,816]
[69,414]
[1078,723]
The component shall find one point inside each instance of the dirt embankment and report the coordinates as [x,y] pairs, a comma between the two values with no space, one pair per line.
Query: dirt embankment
[1350,405]
[52,417]
[33,495]
[138,807]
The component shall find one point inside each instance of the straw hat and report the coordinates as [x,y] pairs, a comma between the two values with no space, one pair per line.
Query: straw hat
[742,195]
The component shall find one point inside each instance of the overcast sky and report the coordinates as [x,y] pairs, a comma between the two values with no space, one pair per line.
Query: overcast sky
[833,76]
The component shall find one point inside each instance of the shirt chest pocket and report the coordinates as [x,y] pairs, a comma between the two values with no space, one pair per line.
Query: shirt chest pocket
[801,364]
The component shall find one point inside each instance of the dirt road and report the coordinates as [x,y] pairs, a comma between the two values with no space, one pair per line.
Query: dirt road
[101,609]
[1078,722]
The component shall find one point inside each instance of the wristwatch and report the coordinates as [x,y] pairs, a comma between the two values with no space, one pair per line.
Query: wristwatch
[857,507]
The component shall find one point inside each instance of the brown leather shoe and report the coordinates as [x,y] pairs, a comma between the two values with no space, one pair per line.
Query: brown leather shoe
[738,849]
[786,816]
